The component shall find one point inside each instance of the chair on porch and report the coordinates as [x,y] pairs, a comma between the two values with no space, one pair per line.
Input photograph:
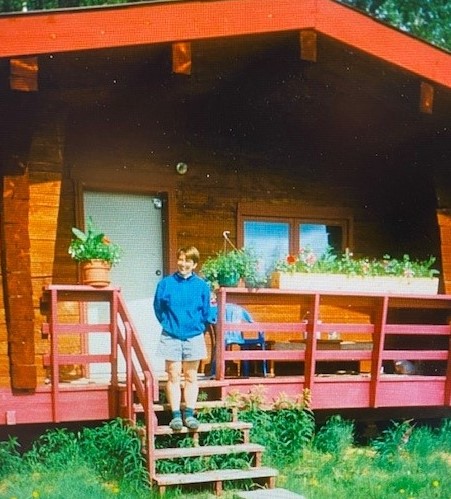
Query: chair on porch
[236,314]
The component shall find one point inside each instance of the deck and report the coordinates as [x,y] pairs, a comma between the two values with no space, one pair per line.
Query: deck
[341,347]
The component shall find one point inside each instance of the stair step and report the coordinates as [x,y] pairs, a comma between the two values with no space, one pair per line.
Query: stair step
[210,450]
[205,427]
[214,476]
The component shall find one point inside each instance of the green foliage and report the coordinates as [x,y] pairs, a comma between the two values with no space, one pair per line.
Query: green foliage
[55,449]
[93,245]
[285,428]
[422,469]
[114,450]
[391,445]
[335,436]
[285,433]
[362,472]
[227,267]
[329,262]
[10,458]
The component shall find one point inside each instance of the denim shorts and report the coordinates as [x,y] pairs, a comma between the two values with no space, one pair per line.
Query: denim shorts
[177,350]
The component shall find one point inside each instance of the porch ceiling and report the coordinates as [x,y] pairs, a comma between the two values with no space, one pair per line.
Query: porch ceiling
[251,90]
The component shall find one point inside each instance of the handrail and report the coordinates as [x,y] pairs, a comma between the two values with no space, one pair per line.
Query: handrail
[145,386]
[140,378]
[383,327]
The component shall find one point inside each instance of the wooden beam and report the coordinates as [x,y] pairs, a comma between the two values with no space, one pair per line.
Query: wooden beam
[308,41]
[142,24]
[16,270]
[181,58]
[426,98]
[24,74]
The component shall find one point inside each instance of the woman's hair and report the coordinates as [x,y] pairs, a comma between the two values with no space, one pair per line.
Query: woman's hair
[190,252]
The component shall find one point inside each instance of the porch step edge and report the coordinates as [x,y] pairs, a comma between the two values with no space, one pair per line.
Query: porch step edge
[214,476]
[205,427]
[210,450]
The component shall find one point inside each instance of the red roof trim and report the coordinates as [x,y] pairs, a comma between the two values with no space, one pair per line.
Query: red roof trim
[141,24]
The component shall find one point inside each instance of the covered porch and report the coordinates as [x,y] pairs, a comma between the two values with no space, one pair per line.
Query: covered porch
[346,360]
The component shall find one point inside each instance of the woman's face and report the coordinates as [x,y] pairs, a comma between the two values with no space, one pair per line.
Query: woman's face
[185,267]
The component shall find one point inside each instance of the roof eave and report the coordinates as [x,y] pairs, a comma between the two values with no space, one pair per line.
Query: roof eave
[141,24]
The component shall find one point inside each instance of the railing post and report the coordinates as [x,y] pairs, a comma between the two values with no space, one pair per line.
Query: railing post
[447,400]
[54,361]
[151,423]
[220,342]
[310,352]
[378,350]
[128,371]
[114,333]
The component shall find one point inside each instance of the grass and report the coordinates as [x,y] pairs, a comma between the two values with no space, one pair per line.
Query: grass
[405,461]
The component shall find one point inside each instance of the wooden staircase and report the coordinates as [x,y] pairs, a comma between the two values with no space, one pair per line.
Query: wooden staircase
[256,473]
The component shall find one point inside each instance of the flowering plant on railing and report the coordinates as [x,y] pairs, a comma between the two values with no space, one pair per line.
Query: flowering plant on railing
[331,263]
[93,245]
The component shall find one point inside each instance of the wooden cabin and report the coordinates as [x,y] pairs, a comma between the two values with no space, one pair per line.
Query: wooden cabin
[172,122]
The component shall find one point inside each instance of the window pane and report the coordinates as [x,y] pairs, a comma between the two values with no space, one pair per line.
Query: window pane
[319,236]
[270,240]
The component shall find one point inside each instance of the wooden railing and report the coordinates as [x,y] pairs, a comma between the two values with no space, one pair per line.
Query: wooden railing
[383,329]
[141,384]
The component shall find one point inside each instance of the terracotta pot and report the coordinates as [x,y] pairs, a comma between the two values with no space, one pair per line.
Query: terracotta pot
[96,273]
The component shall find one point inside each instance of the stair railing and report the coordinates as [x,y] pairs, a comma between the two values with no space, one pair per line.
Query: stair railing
[140,380]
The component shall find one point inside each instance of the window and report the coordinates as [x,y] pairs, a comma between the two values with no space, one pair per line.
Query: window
[275,232]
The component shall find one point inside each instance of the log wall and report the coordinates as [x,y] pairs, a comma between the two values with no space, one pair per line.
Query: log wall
[74,143]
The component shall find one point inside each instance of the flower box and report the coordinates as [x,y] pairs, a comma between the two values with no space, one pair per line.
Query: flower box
[355,284]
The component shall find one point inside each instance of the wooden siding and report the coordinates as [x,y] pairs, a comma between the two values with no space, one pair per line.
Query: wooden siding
[206,202]
[444,222]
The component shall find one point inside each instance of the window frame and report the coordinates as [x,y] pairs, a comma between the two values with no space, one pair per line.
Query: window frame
[295,215]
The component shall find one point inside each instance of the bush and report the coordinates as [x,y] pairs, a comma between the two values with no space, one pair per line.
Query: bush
[10,459]
[335,436]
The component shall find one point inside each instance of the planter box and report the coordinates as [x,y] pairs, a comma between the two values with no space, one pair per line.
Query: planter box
[355,284]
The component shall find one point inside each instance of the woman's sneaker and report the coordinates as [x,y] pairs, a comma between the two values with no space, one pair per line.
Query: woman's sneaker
[176,424]
[191,423]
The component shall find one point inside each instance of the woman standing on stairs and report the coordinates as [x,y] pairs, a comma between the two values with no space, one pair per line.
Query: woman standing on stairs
[182,306]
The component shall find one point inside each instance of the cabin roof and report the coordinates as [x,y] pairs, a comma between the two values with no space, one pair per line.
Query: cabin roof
[144,24]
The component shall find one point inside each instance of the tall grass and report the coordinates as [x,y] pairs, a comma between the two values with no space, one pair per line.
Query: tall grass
[405,461]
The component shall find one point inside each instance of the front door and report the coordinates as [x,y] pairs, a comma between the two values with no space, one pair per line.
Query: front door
[134,221]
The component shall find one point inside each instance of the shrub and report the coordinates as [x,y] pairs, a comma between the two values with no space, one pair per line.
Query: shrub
[10,459]
[335,436]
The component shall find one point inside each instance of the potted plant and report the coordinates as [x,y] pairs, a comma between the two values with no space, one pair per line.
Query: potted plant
[227,268]
[332,272]
[95,253]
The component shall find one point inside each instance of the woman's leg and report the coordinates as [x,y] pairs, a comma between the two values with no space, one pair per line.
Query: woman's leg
[173,392]
[190,392]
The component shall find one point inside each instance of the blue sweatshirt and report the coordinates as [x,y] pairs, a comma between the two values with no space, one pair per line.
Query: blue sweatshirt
[182,306]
